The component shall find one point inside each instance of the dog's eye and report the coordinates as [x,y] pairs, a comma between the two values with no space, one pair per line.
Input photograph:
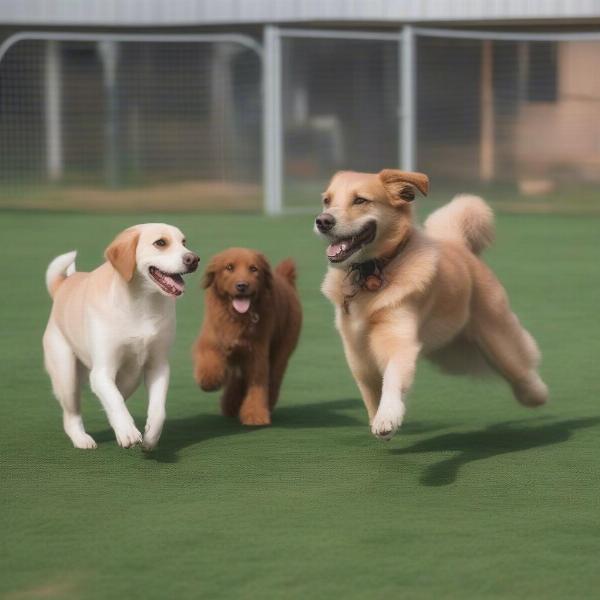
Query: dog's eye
[253,268]
[326,201]
[160,243]
[183,242]
[229,267]
[360,200]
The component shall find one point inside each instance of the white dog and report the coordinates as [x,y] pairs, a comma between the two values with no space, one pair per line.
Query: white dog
[116,323]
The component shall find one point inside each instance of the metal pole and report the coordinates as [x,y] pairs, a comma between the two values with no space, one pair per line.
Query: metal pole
[53,111]
[408,81]
[109,52]
[272,122]
[486,118]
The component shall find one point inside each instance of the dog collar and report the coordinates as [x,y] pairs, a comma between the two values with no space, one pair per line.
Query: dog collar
[368,275]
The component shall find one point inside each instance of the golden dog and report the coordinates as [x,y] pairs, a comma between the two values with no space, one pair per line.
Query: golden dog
[400,292]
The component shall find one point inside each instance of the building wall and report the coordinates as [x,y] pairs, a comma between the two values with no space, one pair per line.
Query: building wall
[206,12]
[561,139]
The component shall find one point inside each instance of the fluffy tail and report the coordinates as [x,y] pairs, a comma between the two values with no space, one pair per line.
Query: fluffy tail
[287,269]
[58,270]
[467,219]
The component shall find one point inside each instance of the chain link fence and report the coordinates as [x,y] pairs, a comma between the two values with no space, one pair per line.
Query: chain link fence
[340,100]
[106,122]
[110,123]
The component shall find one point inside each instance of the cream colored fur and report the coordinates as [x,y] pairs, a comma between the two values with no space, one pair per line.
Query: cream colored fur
[114,325]
[438,300]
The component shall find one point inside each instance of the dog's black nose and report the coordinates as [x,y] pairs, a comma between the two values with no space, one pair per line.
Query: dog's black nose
[325,222]
[241,286]
[191,260]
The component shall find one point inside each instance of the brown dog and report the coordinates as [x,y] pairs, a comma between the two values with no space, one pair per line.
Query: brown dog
[251,326]
[400,292]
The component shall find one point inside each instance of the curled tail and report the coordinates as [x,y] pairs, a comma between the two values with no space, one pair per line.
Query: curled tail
[466,219]
[58,270]
[287,269]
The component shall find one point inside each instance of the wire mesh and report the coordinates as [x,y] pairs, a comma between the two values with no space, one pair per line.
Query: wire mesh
[130,124]
[104,124]
[523,115]
[340,102]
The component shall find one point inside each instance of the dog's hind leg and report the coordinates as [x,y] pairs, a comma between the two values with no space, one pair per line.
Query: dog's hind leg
[233,394]
[281,351]
[276,374]
[64,371]
[254,409]
[511,350]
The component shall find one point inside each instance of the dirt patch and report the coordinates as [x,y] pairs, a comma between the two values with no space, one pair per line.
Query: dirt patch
[181,196]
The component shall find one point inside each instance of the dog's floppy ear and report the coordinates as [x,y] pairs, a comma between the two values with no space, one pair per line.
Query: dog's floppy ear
[400,185]
[121,253]
[209,275]
[265,269]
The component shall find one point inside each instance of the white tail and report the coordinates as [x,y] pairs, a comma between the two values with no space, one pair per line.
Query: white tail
[466,219]
[58,270]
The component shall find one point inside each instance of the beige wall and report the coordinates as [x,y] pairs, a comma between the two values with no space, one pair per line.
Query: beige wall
[562,138]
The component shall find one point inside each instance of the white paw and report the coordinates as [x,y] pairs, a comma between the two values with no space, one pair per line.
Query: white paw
[152,433]
[128,435]
[385,424]
[84,441]
[151,437]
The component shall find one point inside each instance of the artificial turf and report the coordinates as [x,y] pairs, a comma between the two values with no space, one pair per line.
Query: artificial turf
[476,497]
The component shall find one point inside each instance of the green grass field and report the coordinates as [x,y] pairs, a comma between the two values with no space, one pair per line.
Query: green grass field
[476,497]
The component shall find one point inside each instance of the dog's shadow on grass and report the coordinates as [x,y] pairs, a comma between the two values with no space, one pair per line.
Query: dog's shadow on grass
[189,431]
[184,432]
[501,438]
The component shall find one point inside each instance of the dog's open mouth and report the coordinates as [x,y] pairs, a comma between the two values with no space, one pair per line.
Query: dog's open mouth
[241,304]
[343,248]
[171,283]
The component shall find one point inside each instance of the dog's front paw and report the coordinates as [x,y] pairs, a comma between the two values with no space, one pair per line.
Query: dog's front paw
[209,382]
[128,435]
[385,424]
[255,416]
[151,437]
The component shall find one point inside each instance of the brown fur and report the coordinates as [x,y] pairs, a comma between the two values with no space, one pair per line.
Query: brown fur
[247,354]
[438,298]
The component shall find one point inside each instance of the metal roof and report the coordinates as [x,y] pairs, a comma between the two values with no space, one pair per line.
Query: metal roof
[221,12]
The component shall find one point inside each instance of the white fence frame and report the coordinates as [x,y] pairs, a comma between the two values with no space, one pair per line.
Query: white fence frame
[107,43]
[273,123]
[270,56]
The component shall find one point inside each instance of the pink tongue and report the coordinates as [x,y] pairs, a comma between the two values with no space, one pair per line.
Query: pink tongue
[241,304]
[334,249]
[178,285]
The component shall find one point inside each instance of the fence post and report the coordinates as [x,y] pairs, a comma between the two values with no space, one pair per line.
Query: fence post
[109,56]
[53,111]
[272,125]
[408,82]
[486,127]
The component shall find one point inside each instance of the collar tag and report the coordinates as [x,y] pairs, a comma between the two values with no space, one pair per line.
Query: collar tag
[373,283]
